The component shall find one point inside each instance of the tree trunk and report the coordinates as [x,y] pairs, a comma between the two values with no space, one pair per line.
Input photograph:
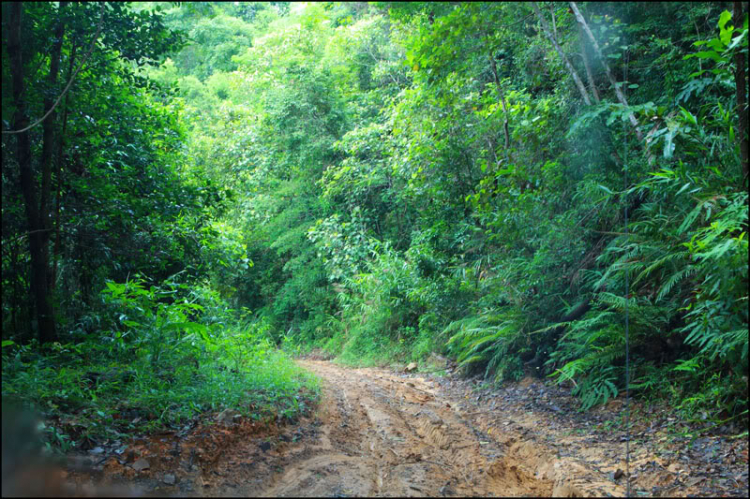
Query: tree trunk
[37,239]
[589,75]
[501,96]
[48,137]
[48,125]
[15,272]
[60,148]
[740,81]
[554,23]
[571,69]
[610,77]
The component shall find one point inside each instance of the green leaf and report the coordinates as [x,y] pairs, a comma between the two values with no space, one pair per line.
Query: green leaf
[689,116]
[713,55]
[737,40]
[724,19]
[683,188]
[716,44]
[669,144]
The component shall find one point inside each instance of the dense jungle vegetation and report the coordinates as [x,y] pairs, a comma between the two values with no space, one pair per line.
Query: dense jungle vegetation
[193,193]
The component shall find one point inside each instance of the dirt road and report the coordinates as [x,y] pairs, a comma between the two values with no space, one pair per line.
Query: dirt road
[382,433]
[377,433]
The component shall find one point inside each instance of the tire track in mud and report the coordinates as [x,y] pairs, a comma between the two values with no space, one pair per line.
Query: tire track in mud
[383,435]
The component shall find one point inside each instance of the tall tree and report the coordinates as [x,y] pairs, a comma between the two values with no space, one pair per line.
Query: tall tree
[38,156]
[35,208]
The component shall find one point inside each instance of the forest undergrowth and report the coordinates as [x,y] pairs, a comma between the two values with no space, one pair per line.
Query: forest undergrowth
[173,357]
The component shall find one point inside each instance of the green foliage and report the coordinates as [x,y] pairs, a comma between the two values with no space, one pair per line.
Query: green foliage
[383,181]
[490,339]
[135,193]
[721,48]
[165,361]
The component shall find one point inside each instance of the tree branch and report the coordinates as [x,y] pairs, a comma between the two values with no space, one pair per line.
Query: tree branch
[571,69]
[618,91]
[67,87]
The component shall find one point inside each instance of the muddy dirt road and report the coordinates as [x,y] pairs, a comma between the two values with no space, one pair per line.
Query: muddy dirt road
[382,433]
[377,433]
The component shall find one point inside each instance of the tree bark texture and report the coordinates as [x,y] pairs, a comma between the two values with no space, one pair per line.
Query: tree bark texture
[48,125]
